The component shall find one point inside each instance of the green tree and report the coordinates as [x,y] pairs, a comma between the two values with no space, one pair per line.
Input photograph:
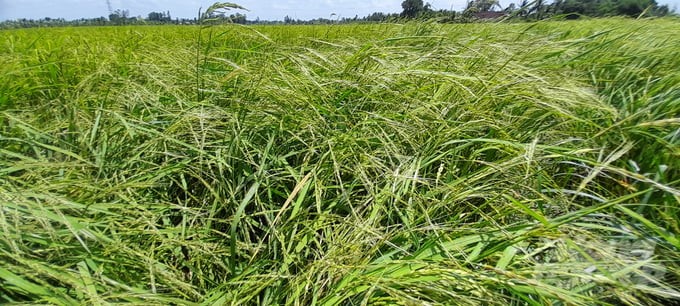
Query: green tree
[539,7]
[412,8]
[159,16]
[599,8]
[634,8]
[238,18]
[119,16]
[483,5]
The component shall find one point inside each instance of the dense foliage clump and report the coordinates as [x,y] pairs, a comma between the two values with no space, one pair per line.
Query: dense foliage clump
[488,164]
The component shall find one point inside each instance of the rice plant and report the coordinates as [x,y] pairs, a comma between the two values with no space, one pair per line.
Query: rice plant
[407,164]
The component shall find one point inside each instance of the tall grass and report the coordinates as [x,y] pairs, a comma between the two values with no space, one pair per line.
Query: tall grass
[406,164]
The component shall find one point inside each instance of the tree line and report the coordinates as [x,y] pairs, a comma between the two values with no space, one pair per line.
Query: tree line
[119,17]
[475,10]
[541,9]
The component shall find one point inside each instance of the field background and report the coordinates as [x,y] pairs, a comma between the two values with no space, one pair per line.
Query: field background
[411,164]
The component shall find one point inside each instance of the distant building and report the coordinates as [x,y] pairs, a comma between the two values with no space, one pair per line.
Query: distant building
[490,15]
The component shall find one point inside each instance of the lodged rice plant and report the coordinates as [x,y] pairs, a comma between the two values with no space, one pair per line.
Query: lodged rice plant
[390,164]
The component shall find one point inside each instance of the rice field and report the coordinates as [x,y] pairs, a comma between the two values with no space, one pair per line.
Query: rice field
[384,164]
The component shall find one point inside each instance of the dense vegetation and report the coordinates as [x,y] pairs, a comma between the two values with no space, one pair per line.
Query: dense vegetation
[494,164]
[476,10]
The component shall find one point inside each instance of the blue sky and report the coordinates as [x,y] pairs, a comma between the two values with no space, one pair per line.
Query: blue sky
[270,10]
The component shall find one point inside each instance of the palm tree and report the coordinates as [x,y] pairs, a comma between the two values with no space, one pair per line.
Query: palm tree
[538,7]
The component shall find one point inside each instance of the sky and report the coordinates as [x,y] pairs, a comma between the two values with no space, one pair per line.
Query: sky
[265,10]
